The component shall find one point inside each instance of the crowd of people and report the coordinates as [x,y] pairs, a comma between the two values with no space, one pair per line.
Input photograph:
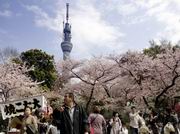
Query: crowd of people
[71,118]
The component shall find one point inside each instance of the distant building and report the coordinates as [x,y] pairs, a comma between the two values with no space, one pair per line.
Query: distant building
[66,45]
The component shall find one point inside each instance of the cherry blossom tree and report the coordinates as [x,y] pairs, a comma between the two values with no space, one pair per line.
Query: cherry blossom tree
[90,78]
[14,83]
[132,77]
[135,67]
[167,72]
[154,80]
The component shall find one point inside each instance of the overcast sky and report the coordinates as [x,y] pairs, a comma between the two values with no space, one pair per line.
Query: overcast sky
[99,27]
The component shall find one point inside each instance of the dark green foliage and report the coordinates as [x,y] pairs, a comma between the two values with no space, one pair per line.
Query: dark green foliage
[153,50]
[156,49]
[44,69]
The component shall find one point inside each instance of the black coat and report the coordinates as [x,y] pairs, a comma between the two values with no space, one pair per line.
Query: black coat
[80,121]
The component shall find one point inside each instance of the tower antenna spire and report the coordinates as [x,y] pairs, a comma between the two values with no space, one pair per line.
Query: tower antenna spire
[67,12]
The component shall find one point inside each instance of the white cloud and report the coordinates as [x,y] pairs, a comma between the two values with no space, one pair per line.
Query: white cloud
[126,12]
[160,12]
[88,24]
[92,30]
[165,13]
[89,30]
[42,19]
[6,13]
[126,9]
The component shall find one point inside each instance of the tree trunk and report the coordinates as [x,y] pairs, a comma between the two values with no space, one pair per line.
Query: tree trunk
[90,98]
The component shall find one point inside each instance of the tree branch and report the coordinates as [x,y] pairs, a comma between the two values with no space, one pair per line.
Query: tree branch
[166,89]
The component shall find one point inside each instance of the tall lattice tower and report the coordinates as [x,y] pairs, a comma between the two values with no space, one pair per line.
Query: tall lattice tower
[66,45]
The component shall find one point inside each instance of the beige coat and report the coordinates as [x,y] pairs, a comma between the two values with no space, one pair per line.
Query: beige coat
[30,120]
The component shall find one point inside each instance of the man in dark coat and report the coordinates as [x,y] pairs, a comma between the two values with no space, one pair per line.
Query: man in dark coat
[73,119]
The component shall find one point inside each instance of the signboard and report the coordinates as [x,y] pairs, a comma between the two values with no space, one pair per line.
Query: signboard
[16,108]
